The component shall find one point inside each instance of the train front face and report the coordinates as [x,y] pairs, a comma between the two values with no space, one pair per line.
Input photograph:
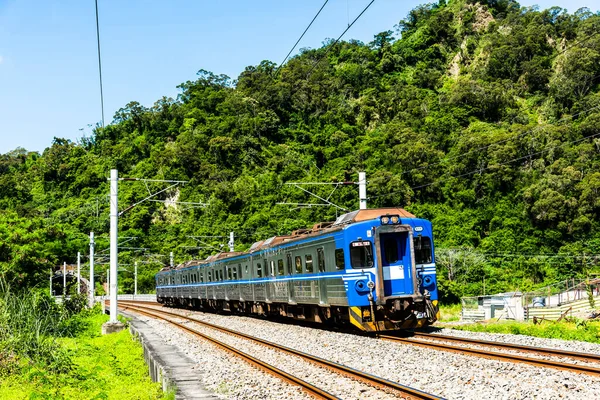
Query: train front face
[397,256]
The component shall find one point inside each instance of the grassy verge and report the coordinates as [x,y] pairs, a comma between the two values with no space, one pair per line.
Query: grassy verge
[587,331]
[56,351]
[450,312]
[102,367]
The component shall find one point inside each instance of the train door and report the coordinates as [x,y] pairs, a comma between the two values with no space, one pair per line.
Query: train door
[290,273]
[396,260]
[322,279]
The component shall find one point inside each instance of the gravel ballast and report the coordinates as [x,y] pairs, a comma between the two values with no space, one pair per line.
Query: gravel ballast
[450,375]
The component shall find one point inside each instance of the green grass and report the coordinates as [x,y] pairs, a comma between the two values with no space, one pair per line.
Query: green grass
[587,331]
[102,367]
[450,312]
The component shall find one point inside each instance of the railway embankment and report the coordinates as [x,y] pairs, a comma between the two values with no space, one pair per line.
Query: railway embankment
[168,365]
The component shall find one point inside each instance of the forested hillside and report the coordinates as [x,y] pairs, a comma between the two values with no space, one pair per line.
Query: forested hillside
[481,116]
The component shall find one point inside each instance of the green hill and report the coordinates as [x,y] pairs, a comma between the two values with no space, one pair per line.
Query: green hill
[481,116]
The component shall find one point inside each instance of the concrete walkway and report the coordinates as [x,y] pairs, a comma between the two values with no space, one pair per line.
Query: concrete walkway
[168,365]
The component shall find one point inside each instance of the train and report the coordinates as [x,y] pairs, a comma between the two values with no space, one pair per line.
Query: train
[372,269]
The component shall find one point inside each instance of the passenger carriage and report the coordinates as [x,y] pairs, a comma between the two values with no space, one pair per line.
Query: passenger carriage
[374,269]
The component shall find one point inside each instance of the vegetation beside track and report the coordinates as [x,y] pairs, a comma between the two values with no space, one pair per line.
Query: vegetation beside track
[572,329]
[56,351]
[450,312]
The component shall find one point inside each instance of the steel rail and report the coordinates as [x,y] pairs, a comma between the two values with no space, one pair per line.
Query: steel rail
[589,357]
[307,387]
[497,356]
[372,380]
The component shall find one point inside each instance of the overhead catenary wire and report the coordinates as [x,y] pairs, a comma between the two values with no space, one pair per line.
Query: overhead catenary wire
[339,37]
[300,38]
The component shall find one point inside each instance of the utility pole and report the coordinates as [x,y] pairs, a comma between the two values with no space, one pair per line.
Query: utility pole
[134,279]
[108,283]
[362,190]
[231,242]
[362,193]
[171,259]
[65,279]
[114,220]
[92,299]
[78,273]
[51,273]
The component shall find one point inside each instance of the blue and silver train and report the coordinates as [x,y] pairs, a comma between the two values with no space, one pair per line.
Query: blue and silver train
[374,269]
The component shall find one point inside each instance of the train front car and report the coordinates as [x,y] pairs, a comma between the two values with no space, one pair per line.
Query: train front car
[392,283]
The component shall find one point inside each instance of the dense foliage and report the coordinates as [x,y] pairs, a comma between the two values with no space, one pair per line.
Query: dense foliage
[481,116]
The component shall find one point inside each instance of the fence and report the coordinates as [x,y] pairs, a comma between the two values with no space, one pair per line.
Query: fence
[500,306]
[568,297]
[138,297]
[563,292]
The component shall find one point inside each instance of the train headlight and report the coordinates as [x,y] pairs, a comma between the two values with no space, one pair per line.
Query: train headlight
[361,286]
[428,282]
[385,220]
[395,219]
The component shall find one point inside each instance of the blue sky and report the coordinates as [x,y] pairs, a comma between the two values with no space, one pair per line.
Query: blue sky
[49,68]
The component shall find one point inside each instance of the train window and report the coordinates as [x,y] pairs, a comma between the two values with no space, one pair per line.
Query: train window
[321,260]
[390,248]
[340,262]
[272,268]
[422,246]
[229,272]
[289,263]
[246,268]
[298,264]
[202,277]
[309,263]
[221,274]
[361,254]
[233,273]
[239,269]
[258,270]
[280,270]
[209,276]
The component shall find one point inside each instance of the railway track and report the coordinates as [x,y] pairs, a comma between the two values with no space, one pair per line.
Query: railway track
[421,339]
[587,357]
[372,380]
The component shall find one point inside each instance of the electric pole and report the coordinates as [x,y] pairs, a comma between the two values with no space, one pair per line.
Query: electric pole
[114,220]
[92,293]
[134,279]
[362,190]
[231,242]
[78,273]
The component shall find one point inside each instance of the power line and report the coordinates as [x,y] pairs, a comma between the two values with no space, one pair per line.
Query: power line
[547,148]
[338,39]
[99,64]
[574,44]
[300,38]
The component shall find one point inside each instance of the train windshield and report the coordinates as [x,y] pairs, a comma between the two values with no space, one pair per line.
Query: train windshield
[361,254]
[422,246]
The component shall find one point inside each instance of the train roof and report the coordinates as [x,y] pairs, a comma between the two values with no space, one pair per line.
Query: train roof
[374,213]
[317,229]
